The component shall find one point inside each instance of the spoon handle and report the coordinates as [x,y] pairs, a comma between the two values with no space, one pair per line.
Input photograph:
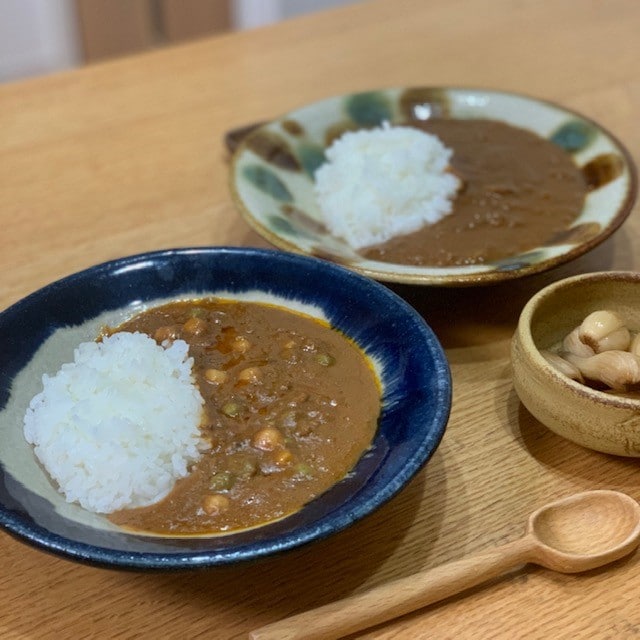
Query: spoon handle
[399,597]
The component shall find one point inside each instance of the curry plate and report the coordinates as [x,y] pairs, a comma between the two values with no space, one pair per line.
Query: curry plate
[40,332]
[273,166]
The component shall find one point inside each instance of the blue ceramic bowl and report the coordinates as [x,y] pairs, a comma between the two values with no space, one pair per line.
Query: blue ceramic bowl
[40,332]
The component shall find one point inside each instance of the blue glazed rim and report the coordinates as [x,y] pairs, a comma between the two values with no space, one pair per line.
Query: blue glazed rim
[415,377]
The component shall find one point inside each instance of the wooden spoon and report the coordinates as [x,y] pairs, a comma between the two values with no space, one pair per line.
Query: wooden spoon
[578,533]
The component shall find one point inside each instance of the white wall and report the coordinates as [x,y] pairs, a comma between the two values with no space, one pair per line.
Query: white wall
[255,13]
[36,37]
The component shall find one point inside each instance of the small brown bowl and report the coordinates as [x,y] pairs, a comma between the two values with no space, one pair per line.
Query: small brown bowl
[594,419]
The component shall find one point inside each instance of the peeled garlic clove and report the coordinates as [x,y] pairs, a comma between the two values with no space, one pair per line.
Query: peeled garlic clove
[563,366]
[597,325]
[573,344]
[634,347]
[620,339]
[616,369]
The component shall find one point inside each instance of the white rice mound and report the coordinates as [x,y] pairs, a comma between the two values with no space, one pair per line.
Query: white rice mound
[383,182]
[120,424]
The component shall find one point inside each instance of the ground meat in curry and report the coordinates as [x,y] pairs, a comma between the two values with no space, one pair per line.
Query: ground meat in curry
[290,406]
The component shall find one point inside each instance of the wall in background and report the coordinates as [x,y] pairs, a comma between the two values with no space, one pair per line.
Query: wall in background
[44,36]
[36,37]
[255,13]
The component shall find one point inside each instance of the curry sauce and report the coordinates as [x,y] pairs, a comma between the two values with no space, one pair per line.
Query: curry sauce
[519,191]
[290,406]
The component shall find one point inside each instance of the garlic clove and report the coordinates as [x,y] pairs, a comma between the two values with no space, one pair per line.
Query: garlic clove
[619,340]
[597,325]
[616,369]
[573,344]
[563,366]
[634,347]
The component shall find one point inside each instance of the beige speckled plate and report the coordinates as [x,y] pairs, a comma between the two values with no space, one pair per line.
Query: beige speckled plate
[273,167]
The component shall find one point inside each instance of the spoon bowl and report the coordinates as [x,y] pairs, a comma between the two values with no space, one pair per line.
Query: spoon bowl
[573,534]
[585,530]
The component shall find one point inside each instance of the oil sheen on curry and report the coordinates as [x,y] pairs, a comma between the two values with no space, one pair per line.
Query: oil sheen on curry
[518,192]
[290,406]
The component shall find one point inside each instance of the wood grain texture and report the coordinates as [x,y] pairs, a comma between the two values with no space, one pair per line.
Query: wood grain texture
[577,533]
[127,156]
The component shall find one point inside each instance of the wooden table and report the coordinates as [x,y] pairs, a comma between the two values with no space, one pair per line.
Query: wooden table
[128,156]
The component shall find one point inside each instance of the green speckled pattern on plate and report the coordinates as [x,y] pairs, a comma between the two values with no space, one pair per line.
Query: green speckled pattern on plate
[273,167]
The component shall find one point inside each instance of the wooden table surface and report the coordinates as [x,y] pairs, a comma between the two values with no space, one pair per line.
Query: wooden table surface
[128,156]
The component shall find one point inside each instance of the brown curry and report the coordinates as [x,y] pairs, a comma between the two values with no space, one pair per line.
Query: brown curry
[290,406]
[518,192]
